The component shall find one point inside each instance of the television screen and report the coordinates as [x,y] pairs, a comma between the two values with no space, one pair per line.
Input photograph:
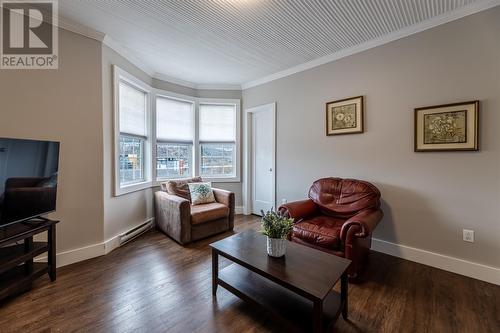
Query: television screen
[28,179]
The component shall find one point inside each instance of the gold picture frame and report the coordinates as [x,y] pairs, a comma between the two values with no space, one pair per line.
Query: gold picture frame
[345,116]
[447,127]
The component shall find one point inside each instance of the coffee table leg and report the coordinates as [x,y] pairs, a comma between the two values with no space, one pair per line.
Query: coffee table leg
[215,271]
[343,294]
[318,316]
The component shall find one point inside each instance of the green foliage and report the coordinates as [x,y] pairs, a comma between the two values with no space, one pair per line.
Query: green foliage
[275,224]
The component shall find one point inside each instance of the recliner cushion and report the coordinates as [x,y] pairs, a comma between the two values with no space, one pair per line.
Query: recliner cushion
[344,198]
[321,230]
[208,212]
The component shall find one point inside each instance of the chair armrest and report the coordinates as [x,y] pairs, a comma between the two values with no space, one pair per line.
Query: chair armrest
[299,210]
[362,224]
[226,198]
[173,216]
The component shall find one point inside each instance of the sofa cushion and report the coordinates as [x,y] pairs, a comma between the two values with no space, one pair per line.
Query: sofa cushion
[201,193]
[208,212]
[322,231]
[179,187]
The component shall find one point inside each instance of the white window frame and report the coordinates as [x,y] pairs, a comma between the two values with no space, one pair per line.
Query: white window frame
[166,94]
[120,75]
[150,172]
[237,159]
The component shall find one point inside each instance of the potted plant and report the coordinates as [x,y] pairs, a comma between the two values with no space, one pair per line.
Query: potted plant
[276,227]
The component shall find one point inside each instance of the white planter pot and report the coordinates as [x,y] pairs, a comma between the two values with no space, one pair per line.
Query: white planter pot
[276,247]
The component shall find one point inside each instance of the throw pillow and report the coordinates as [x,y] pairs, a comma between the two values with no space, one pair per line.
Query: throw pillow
[180,187]
[201,193]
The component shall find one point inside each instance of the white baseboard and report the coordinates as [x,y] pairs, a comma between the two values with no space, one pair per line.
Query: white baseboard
[88,252]
[463,267]
[238,210]
[72,256]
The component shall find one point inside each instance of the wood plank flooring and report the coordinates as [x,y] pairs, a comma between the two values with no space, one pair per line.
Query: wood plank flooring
[155,285]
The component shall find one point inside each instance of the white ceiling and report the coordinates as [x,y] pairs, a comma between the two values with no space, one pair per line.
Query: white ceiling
[221,42]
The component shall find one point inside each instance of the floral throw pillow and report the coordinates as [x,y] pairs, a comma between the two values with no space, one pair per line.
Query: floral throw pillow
[201,193]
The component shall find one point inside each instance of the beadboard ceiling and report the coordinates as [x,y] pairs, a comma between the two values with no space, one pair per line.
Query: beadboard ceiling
[244,42]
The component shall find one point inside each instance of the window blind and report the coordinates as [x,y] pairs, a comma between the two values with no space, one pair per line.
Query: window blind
[132,110]
[174,120]
[217,123]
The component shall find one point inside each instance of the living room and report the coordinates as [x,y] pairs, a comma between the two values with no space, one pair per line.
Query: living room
[193,166]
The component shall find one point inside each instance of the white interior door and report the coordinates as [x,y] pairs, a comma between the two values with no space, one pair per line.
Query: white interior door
[263,159]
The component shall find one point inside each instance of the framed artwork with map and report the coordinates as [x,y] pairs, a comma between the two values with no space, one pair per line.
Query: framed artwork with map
[344,116]
[448,127]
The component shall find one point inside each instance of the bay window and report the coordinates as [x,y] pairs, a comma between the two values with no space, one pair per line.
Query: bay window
[161,135]
[174,138]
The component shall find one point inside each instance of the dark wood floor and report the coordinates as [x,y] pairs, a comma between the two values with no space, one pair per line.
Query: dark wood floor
[154,285]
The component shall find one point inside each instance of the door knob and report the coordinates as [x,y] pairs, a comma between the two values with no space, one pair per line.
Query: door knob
[270,169]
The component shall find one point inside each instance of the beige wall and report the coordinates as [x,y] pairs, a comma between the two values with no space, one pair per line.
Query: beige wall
[428,197]
[64,105]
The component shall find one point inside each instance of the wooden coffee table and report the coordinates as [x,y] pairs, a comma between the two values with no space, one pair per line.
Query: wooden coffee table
[297,287]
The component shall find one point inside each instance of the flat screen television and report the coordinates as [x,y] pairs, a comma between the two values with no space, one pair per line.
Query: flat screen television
[28,179]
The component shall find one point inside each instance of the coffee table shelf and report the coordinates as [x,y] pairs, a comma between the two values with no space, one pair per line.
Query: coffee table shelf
[297,287]
[283,303]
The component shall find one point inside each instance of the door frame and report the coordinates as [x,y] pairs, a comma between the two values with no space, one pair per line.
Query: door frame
[247,155]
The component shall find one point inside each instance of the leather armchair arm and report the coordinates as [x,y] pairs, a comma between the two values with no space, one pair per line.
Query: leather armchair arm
[299,210]
[173,216]
[226,198]
[361,225]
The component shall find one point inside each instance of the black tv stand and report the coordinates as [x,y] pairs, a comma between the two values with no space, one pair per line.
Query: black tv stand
[17,268]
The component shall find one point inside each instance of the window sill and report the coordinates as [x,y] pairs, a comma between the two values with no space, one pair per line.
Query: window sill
[158,182]
[132,188]
[222,180]
[145,185]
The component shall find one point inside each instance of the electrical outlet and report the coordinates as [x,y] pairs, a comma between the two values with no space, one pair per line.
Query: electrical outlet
[468,235]
[283,201]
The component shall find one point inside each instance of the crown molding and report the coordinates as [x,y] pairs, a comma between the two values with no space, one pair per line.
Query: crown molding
[411,30]
[209,86]
[218,86]
[70,25]
[174,80]
[127,54]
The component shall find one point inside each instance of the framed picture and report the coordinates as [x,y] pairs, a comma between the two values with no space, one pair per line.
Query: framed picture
[448,127]
[344,116]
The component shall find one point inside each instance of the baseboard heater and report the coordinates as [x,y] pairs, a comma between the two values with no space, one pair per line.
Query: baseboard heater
[137,231]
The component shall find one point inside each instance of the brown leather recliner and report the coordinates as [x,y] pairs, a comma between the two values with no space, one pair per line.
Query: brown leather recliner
[339,218]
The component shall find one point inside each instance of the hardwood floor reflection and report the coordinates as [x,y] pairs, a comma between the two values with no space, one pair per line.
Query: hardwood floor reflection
[155,285]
